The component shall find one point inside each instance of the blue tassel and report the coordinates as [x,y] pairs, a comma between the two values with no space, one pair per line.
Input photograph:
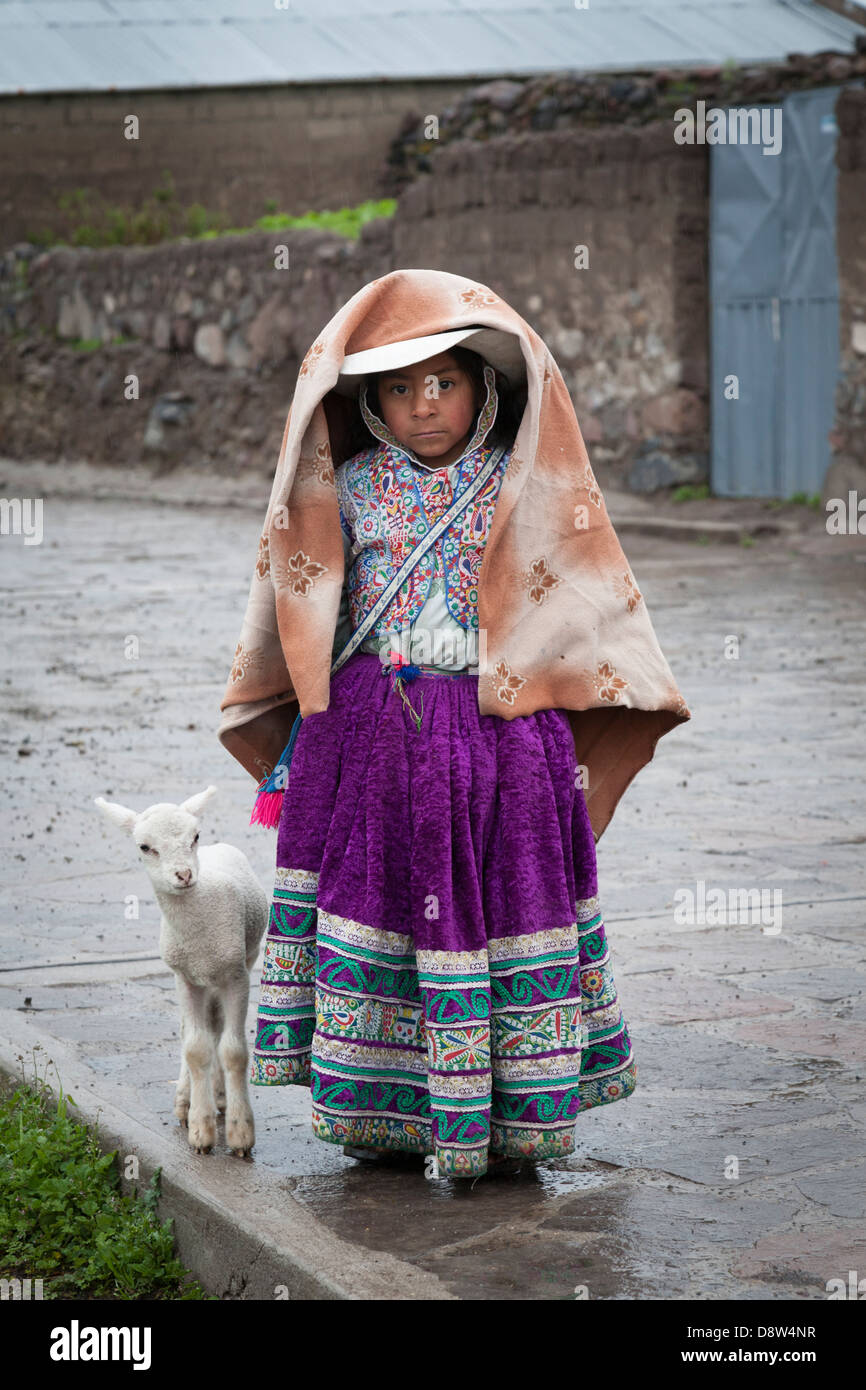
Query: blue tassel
[268,804]
[284,761]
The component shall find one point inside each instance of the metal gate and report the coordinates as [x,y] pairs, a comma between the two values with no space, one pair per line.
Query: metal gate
[774,305]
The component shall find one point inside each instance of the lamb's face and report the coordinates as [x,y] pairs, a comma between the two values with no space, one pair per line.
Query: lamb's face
[167,841]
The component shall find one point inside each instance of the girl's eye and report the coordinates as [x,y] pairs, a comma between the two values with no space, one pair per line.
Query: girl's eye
[398,386]
[445,381]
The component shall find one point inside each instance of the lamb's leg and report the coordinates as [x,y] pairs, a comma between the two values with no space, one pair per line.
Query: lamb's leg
[217,1022]
[219,1085]
[198,1052]
[240,1129]
[181,1095]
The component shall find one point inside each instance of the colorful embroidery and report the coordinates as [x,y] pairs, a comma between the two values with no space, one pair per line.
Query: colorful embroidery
[454,1053]
[286,1020]
[386,507]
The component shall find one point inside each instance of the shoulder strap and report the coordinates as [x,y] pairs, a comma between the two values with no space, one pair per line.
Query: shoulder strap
[459,504]
[269,798]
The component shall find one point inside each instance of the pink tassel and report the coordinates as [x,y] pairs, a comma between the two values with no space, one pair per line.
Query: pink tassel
[267,809]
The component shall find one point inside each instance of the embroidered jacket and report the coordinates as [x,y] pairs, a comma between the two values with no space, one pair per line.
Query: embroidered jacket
[386,507]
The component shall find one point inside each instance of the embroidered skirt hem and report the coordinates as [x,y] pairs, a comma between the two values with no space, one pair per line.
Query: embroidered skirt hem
[436,967]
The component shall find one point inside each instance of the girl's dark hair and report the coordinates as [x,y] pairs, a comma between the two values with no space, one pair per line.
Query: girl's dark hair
[509,413]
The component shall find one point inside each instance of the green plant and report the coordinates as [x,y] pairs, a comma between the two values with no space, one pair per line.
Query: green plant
[198,220]
[63,1216]
[690,492]
[74,199]
[806,499]
[166,193]
[746,540]
[683,87]
[91,221]
[344,221]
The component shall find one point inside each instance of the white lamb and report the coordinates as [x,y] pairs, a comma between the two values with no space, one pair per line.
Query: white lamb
[214,914]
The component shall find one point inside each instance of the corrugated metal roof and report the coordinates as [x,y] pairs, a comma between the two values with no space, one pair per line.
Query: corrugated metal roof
[96,45]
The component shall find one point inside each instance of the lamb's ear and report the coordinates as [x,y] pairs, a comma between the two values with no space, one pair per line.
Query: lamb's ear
[120,816]
[194,804]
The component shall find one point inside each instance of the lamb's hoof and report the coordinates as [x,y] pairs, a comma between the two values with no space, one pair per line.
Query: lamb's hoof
[240,1133]
[221,1105]
[241,1153]
[202,1134]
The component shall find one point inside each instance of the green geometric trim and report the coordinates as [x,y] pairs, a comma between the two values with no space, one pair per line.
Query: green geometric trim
[390,959]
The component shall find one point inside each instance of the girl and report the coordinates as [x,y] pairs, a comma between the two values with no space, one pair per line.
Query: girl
[436,967]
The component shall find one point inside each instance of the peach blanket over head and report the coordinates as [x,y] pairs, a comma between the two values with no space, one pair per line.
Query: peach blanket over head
[566,625]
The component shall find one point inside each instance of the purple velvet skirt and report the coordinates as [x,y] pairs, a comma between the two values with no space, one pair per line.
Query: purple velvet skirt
[436,966]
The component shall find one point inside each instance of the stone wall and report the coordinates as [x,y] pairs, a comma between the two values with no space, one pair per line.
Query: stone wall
[629,331]
[185,353]
[213,333]
[232,149]
[566,100]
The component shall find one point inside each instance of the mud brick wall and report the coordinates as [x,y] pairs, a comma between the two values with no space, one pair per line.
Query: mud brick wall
[629,332]
[231,149]
[214,333]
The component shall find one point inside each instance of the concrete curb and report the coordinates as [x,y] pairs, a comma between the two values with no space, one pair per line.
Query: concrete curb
[670,529]
[230,1232]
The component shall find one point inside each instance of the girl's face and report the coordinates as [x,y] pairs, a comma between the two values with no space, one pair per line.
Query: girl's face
[430,407]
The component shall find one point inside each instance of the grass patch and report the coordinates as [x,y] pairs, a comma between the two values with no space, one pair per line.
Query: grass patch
[63,1216]
[85,218]
[690,492]
[94,344]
